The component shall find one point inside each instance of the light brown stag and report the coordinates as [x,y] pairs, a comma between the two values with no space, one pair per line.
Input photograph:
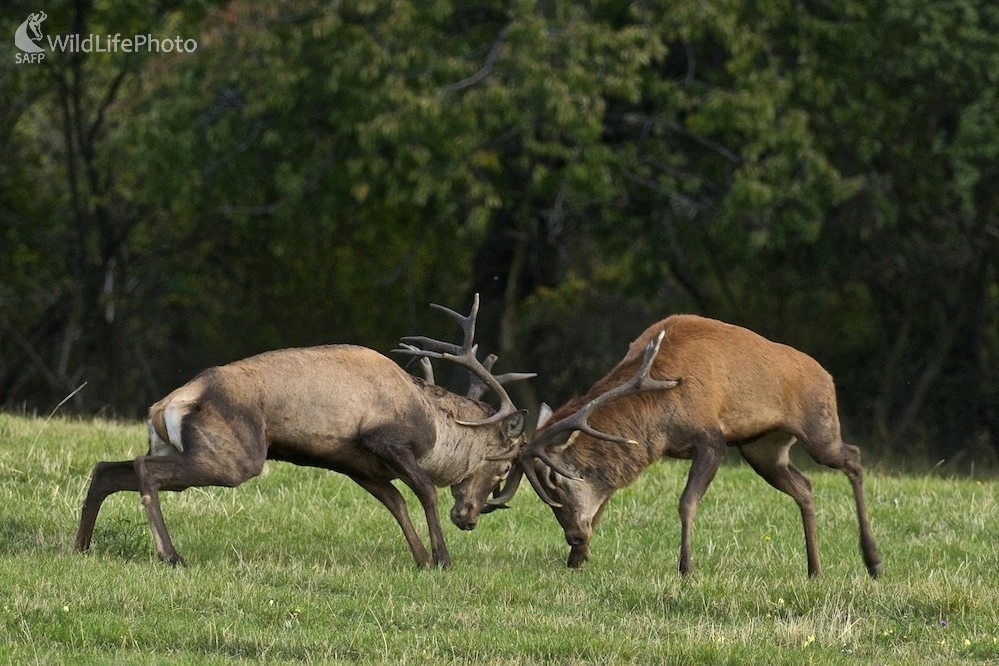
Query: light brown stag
[340,407]
[711,385]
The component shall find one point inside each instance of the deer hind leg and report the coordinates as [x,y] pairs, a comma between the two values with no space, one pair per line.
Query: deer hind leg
[106,479]
[867,546]
[707,453]
[388,495]
[854,472]
[768,456]
[178,473]
[829,450]
[217,452]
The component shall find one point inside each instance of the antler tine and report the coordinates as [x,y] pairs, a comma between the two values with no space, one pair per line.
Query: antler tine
[639,383]
[539,487]
[466,356]
[508,377]
[421,345]
[499,501]
[477,387]
[425,365]
[500,498]
[467,323]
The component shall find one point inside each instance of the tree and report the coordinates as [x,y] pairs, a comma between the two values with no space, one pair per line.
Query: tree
[820,172]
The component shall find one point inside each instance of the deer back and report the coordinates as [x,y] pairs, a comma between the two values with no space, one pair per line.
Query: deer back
[733,381]
[315,398]
[312,405]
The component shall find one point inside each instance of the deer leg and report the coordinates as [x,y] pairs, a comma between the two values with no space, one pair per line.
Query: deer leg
[149,487]
[707,458]
[106,479]
[769,458]
[187,470]
[395,450]
[388,495]
[846,458]
[426,492]
[854,472]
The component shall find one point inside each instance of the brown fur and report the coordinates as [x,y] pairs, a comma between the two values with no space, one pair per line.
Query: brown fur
[340,407]
[736,389]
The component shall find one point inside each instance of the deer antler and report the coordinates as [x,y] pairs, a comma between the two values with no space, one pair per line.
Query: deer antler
[465,356]
[639,383]
[577,422]
[425,365]
[499,500]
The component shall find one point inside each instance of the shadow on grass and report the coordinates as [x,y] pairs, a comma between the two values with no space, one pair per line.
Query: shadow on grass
[113,537]
[18,537]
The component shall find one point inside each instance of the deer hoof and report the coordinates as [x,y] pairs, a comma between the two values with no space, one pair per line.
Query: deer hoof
[578,555]
[173,559]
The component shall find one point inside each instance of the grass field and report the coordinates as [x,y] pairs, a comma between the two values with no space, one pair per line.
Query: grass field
[300,565]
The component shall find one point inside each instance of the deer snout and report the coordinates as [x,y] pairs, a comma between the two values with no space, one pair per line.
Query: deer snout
[576,537]
[464,518]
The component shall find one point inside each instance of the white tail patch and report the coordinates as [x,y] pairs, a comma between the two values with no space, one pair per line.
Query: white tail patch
[157,447]
[173,419]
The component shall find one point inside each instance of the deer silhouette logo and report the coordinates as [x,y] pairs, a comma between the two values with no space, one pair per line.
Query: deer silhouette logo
[24,39]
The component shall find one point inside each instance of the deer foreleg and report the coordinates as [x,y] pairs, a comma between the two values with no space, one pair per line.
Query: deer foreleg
[426,492]
[707,458]
[388,495]
[395,449]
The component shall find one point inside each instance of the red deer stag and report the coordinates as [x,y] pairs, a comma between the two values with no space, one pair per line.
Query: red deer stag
[340,407]
[713,385]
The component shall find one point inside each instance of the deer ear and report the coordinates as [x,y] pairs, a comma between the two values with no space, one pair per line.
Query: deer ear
[544,414]
[513,425]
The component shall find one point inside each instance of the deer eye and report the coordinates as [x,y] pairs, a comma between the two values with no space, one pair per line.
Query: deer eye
[503,472]
[553,478]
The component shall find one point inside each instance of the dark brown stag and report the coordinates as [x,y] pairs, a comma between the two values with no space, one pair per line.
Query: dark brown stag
[340,407]
[690,387]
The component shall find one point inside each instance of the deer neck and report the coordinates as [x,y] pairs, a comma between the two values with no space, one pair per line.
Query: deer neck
[616,465]
[458,449]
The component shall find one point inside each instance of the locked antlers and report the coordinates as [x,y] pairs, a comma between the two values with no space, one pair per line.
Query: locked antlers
[465,356]
[577,422]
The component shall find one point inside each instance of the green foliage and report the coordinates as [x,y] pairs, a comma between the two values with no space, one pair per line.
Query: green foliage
[301,565]
[822,173]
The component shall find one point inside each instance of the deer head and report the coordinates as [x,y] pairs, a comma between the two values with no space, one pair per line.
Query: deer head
[553,477]
[471,495]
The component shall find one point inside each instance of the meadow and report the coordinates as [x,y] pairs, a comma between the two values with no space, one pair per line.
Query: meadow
[300,565]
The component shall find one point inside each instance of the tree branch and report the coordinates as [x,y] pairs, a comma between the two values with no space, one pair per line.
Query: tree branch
[483,72]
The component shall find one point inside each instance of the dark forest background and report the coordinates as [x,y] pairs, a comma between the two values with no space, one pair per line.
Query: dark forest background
[825,172]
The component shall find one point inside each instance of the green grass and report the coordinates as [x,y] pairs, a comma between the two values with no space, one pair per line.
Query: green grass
[300,565]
